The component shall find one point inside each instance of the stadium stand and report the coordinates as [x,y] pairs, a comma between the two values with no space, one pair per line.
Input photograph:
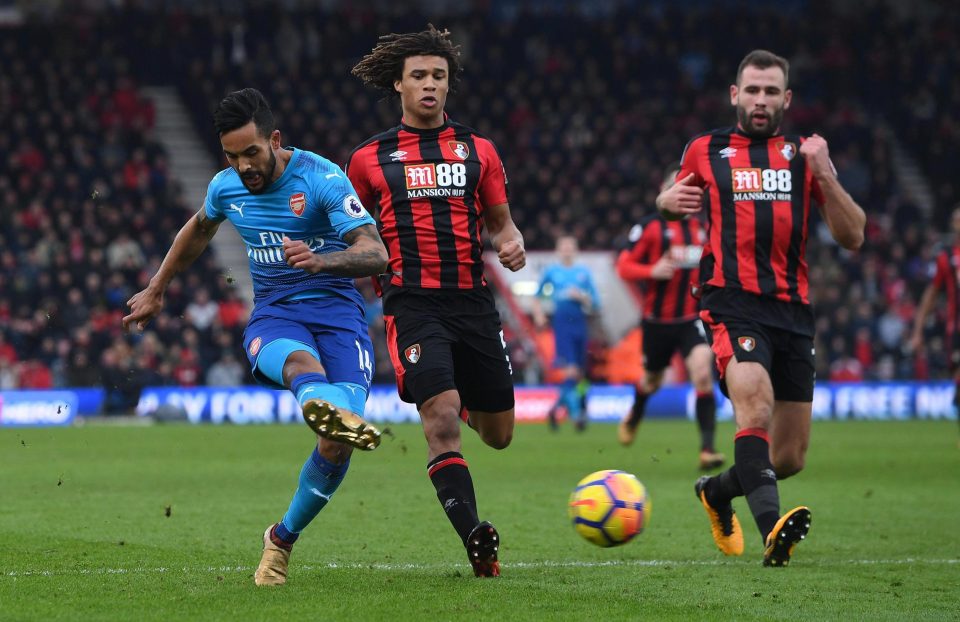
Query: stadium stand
[586,104]
[87,209]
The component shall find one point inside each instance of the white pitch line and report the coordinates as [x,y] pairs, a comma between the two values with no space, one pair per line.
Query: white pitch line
[507,564]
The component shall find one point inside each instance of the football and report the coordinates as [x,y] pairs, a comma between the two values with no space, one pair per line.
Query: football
[609,508]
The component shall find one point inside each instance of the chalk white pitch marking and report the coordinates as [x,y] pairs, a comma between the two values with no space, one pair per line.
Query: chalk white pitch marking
[446,567]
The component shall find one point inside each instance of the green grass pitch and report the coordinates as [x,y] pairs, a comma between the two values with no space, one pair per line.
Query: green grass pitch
[164,523]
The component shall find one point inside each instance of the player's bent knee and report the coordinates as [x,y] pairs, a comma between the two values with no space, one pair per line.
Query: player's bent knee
[789,465]
[703,383]
[498,439]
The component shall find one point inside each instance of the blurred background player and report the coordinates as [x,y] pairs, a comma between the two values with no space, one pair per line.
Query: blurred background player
[946,278]
[435,184]
[755,289]
[307,237]
[570,286]
[664,259]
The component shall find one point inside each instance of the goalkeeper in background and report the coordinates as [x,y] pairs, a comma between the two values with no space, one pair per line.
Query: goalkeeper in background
[571,287]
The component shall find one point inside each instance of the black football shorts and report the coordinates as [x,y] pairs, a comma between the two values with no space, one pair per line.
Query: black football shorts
[662,339]
[442,340]
[787,356]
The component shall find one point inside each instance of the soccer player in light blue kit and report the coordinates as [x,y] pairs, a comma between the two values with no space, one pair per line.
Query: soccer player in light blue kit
[574,295]
[307,236]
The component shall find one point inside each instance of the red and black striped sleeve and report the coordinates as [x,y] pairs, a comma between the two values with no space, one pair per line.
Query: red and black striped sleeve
[492,189]
[357,170]
[691,159]
[636,263]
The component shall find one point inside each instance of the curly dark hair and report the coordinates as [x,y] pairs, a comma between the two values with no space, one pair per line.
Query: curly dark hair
[384,64]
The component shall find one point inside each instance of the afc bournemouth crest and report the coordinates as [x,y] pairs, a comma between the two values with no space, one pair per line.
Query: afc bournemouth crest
[255,346]
[298,203]
[413,353]
[747,344]
[787,150]
[459,149]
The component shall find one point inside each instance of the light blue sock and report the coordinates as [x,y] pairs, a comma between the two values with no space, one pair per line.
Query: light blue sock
[316,386]
[570,398]
[319,479]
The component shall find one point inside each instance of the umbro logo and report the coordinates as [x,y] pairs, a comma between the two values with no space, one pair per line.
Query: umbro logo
[238,208]
[398,156]
[728,152]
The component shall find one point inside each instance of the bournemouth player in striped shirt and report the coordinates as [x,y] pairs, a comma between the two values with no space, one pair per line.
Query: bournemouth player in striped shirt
[664,260]
[946,278]
[756,185]
[435,184]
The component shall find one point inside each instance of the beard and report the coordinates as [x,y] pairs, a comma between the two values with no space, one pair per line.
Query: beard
[266,175]
[774,117]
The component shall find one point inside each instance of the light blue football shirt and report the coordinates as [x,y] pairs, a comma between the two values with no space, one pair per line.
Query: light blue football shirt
[311,201]
[557,282]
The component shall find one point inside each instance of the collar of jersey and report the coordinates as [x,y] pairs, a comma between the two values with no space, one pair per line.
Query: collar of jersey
[286,171]
[417,130]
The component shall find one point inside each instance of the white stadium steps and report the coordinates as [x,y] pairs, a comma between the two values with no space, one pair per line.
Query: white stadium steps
[193,166]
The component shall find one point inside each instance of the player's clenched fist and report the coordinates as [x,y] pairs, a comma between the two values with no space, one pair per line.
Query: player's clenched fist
[299,255]
[817,154]
[681,199]
[512,255]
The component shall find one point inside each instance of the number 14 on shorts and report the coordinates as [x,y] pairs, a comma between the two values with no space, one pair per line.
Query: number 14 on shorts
[366,366]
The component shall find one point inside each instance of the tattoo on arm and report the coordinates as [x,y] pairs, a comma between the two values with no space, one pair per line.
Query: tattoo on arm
[207,226]
[366,255]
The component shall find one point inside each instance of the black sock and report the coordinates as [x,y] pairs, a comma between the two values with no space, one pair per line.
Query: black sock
[639,406]
[724,487]
[451,478]
[751,451]
[706,419]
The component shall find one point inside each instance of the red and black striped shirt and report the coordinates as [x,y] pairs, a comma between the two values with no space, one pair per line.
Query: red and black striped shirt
[668,300]
[757,195]
[947,278]
[430,188]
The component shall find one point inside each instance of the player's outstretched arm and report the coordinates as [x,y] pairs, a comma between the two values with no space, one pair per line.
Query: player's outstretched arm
[366,255]
[505,238]
[843,216]
[190,242]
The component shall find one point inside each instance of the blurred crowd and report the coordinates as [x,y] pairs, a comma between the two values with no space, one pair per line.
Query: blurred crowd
[587,103]
[87,210]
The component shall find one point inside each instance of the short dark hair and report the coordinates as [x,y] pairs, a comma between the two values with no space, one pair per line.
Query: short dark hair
[384,64]
[763,59]
[241,107]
